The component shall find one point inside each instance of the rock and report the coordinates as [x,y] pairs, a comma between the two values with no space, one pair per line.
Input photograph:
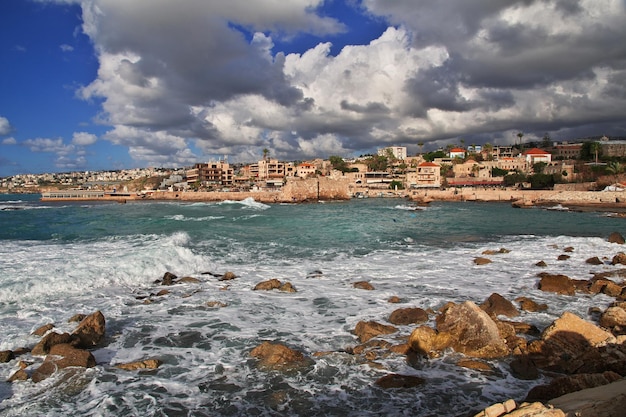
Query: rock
[522,367]
[404,316]
[19,375]
[615,237]
[560,284]
[475,365]
[498,409]
[475,333]
[144,364]
[6,356]
[536,409]
[568,249]
[70,357]
[49,340]
[363,285]
[495,252]
[228,276]
[366,330]
[43,330]
[606,400]
[268,285]
[497,305]
[529,305]
[275,356]
[168,279]
[216,304]
[567,384]
[594,261]
[399,381]
[91,330]
[394,299]
[287,287]
[482,261]
[620,258]
[563,257]
[613,316]
[541,264]
[161,293]
[427,341]
[189,280]
[605,286]
[76,318]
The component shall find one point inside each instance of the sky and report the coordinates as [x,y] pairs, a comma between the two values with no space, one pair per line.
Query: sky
[115,84]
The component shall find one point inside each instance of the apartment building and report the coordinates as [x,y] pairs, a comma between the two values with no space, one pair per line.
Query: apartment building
[398,152]
[211,173]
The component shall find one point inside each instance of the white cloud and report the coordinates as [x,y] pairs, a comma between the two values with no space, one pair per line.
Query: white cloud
[5,126]
[84,138]
[48,145]
[9,141]
[66,48]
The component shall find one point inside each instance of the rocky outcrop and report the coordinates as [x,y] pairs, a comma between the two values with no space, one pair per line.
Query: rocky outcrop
[60,357]
[90,331]
[558,283]
[496,305]
[404,316]
[274,284]
[366,330]
[567,384]
[138,365]
[276,356]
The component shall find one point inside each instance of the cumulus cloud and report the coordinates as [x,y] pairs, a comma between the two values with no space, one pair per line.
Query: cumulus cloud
[84,138]
[207,75]
[9,141]
[66,48]
[5,126]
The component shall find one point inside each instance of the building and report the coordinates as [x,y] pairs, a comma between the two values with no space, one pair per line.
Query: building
[612,148]
[305,170]
[427,174]
[457,153]
[398,152]
[211,174]
[567,150]
[536,155]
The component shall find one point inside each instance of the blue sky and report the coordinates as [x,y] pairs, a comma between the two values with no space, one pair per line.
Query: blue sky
[111,84]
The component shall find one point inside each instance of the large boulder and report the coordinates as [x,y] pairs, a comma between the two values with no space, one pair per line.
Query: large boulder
[51,339]
[60,357]
[497,305]
[403,316]
[616,237]
[366,330]
[475,333]
[567,384]
[613,317]
[558,283]
[399,381]
[90,330]
[276,356]
[526,304]
[427,341]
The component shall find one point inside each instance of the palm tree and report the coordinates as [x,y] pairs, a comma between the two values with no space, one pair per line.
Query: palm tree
[266,153]
[595,148]
[615,168]
[520,135]
[421,145]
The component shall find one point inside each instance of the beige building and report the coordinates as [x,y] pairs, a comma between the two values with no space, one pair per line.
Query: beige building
[427,174]
[211,173]
[398,152]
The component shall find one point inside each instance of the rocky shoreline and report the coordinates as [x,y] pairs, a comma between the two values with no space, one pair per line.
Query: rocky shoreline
[577,354]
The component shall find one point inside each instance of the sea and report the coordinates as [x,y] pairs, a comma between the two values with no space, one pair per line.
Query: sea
[60,259]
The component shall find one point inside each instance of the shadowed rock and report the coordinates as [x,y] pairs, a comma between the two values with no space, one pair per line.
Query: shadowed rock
[616,237]
[403,316]
[399,381]
[69,357]
[276,356]
[497,305]
[558,283]
[366,330]
[91,330]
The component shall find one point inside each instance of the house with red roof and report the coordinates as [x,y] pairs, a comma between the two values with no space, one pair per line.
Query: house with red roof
[457,153]
[427,174]
[535,155]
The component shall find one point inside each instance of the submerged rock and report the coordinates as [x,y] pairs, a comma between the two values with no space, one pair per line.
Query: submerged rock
[276,356]
[399,381]
[363,285]
[136,365]
[616,237]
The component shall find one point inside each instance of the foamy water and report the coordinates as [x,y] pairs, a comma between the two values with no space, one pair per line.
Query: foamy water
[322,250]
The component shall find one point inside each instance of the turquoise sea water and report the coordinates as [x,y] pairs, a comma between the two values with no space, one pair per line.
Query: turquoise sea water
[58,259]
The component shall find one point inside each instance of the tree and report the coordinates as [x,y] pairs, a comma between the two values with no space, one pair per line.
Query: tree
[595,148]
[421,145]
[393,185]
[615,168]
[546,142]
[520,135]
[266,153]
[338,163]
[377,163]
[538,167]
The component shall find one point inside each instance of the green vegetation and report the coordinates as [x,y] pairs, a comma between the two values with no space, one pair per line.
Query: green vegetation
[396,185]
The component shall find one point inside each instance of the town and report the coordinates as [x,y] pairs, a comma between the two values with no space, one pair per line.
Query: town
[390,172]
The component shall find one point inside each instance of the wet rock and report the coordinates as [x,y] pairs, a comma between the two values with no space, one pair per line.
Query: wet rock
[620,258]
[268,285]
[366,330]
[136,365]
[287,287]
[616,237]
[495,252]
[168,279]
[558,283]
[563,257]
[475,333]
[567,384]
[76,318]
[475,365]
[522,367]
[394,299]
[228,276]
[69,357]
[363,285]
[19,375]
[404,316]
[161,293]
[90,330]
[541,264]
[216,304]
[6,356]
[49,340]
[399,381]
[612,317]
[594,261]
[526,304]
[189,280]
[568,249]
[43,330]
[482,261]
[496,305]
[605,286]
[427,341]
[276,356]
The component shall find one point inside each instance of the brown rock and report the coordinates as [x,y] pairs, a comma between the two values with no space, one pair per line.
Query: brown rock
[568,249]
[613,316]
[495,252]
[560,284]
[228,276]
[482,261]
[399,381]
[497,305]
[144,364]
[70,357]
[475,365]
[43,330]
[404,316]
[161,293]
[616,237]
[287,287]
[49,340]
[394,299]
[366,330]
[566,384]
[541,264]
[594,261]
[189,280]
[475,333]
[217,304]
[427,341]
[168,279]
[529,305]
[268,285]
[363,285]
[522,367]
[76,318]
[620,258]
[6,356]
[275,356]
[563,257]
[90,331]
[19,375]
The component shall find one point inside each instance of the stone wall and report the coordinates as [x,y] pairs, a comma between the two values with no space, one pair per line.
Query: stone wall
[313,189]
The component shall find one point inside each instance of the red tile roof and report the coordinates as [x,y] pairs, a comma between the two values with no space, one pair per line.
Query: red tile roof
[536,151]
